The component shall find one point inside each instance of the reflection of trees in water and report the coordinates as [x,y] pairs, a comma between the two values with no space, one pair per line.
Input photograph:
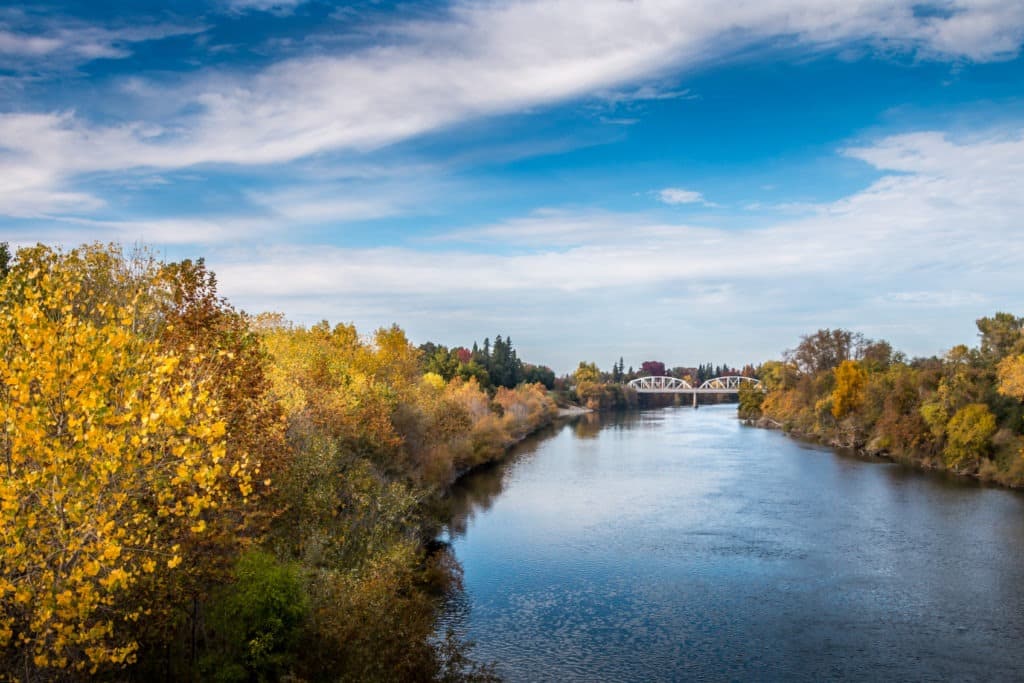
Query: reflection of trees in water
[587,426]
[477,490]
[474,492]
[647,401]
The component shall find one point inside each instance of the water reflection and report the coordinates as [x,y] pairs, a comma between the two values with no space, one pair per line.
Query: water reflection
[676,544]
[587,426]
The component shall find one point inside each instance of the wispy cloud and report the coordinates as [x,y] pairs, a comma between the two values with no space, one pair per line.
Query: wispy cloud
[280,6]
[326,205]
[646,93]
[30,44]
[677,195]
[477,60]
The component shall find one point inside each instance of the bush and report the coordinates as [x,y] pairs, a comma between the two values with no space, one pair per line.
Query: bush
[256,621]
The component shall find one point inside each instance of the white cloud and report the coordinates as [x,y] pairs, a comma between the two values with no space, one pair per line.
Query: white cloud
[937,299]
[66,44]
[677,195]
[955,209]
[12,43]
[303,207]
[645,93]
[478,60]
[915,256]
[281,6]
[164,231]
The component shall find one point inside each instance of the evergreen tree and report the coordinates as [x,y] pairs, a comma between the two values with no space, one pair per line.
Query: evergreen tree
[5,259]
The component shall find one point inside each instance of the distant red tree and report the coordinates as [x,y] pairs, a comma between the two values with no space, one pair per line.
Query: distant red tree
[464,355]
[653,368]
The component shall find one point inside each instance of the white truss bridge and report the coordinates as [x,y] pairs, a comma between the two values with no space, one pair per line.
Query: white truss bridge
[674,385]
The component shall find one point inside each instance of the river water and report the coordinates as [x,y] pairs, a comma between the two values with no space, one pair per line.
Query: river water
[678,544]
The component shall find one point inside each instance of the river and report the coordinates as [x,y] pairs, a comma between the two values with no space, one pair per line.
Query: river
[679,544]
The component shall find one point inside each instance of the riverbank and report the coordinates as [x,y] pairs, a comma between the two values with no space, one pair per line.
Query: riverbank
[961,413]
[922,463]
[513,438]
[573,411]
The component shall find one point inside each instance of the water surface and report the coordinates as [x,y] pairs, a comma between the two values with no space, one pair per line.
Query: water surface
[679,544]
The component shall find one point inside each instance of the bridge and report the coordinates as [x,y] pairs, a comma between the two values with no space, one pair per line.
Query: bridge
[674,385]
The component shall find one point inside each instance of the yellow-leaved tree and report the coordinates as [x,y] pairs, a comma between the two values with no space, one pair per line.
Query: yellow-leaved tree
[112,456]
[1011,377]
[851,383]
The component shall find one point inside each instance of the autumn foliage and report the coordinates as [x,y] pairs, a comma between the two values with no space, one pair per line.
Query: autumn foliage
[115,456]
[963,412]
[188,493]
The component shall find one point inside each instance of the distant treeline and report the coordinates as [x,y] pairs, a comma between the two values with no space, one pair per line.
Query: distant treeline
[595,389]
[961,412]
[496,365]
[656,368]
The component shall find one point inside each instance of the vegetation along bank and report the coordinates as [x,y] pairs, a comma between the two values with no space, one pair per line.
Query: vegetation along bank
[191,493]
[961,412]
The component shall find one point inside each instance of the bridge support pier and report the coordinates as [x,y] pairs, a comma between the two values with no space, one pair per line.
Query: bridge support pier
[695,399]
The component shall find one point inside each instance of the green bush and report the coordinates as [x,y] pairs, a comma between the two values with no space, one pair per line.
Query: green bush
[256,621]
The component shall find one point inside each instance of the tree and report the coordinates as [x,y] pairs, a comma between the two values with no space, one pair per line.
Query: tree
[201,327]
[1011,377]
[475,371]
[5,259]
[825,350]
[113,457]
[969,435]
[848,395]
[256,621]
[539,374]
[778,375]
[877,355]
[652,368]
[587,372]
[751,397]
[443,363]
[1000,336]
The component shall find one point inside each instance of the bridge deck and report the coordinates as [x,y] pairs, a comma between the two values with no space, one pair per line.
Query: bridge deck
[682,390]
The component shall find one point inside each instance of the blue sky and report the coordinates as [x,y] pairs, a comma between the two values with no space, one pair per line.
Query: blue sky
[687,181]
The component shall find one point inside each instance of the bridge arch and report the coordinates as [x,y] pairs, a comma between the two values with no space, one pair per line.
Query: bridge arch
[655,385]
[673,385]
[729,382]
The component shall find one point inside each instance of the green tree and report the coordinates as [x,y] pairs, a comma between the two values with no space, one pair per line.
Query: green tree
[5,259]
[443,362]
[1000,336]
[751,398]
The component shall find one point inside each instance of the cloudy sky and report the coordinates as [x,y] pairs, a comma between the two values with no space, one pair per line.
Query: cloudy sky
[688,181]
